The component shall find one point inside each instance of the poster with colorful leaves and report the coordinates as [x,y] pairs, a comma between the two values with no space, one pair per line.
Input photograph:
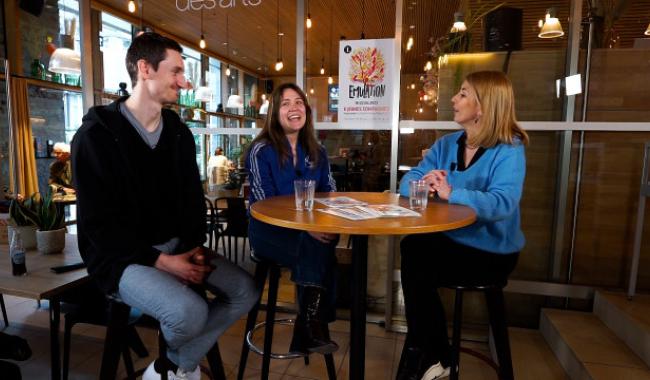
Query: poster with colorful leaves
[365,87]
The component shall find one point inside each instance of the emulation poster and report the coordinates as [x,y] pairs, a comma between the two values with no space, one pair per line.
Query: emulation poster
[365,86]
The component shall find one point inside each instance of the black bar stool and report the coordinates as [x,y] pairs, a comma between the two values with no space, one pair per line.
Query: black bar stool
[114,344]
[262,268]
[496,311]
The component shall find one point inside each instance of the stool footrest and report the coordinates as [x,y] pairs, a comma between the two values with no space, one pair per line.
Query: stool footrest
[255,349]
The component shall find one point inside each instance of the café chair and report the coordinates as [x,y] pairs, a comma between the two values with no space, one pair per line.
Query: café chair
[118,318]
[496,310]
[4,310]
[99,316]
[235,216]
[212,223]
[273,270]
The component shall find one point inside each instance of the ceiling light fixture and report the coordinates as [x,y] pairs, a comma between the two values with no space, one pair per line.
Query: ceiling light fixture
[647,31]
[551,27]
[308,22]
[204,92]
[322,66]
[279,64]
[459,23]
[131,6]
[202,44]
[65,60]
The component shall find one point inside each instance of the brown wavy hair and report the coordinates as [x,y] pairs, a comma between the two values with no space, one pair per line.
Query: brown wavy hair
[497,100]
[273,133]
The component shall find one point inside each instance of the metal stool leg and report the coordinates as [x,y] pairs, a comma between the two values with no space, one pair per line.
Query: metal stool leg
[260,278]
[216,364]
[496,311]
[4,310]
[329,360]
[274,282]
[455,346]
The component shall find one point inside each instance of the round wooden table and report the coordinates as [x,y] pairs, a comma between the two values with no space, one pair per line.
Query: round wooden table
[438,216]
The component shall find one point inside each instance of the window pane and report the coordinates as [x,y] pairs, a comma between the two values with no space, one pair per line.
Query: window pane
[54,116]
[115,39]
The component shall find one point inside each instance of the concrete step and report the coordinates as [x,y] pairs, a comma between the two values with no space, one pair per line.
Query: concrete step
[587,349]
[628,319]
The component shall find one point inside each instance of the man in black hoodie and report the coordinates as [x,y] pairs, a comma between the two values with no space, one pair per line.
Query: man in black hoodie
[141,212]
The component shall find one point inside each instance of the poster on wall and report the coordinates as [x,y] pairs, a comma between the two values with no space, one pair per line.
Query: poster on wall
[365,86]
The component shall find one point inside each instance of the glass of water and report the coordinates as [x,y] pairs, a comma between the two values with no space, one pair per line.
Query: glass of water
[304,191]
[418,194]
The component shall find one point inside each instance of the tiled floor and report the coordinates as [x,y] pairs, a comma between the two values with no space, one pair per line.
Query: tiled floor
[532,358]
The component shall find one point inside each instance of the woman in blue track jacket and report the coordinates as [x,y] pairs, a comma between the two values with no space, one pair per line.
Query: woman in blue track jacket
[284,151]
[483,167]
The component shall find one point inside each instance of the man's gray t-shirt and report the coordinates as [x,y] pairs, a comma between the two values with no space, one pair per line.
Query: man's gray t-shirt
[150,138]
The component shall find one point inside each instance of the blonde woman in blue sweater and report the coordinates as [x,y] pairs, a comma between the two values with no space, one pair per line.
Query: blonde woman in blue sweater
[483,167]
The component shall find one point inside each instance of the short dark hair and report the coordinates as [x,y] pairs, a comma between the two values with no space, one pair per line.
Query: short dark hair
[150,46]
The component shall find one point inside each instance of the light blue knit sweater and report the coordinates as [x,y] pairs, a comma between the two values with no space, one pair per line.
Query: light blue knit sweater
[492,186]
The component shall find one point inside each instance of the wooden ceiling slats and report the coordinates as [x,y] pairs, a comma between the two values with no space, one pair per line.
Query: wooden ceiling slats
[250,28]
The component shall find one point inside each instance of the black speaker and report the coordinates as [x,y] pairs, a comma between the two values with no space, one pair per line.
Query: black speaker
[34,7]
[268,86]
[503,28]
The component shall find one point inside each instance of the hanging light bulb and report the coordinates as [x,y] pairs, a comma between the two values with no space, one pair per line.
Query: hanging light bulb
[322,70]
[330,80]
[459,23]
[409,43]
[552,27]
[311,91]
[228,70]
[202,42]
[279,64]
[131,6]
[647,31]
[308,22]
[428,66]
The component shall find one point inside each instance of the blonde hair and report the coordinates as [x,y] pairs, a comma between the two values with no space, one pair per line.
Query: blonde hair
[497,100]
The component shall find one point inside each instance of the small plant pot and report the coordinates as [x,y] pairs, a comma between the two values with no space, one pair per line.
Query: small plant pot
[27,233]
[48,242]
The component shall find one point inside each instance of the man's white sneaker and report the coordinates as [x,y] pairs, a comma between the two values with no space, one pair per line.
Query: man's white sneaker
[150,373]
[182,375]
[436,371]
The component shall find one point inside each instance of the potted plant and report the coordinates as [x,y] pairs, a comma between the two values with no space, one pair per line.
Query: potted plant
[22,213]
[50,236]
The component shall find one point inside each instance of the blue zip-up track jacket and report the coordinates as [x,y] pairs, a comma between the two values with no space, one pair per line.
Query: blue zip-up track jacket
[268,177]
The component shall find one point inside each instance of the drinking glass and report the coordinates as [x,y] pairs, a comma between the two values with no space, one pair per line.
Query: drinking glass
[304,190]
[418,194]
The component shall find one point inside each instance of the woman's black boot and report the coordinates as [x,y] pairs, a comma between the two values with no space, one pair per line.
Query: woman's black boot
[310,333]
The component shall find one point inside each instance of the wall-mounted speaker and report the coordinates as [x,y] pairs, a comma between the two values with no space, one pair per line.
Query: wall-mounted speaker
[268,86]
[34,7]
[503,28]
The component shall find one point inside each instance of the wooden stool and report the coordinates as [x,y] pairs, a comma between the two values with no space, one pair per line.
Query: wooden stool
[262,268]
[496,311]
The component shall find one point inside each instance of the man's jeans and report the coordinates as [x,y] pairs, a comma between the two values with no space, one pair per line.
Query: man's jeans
[189,324]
